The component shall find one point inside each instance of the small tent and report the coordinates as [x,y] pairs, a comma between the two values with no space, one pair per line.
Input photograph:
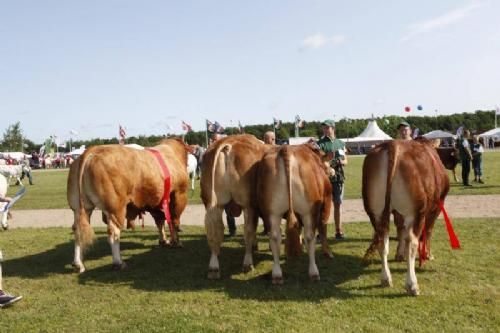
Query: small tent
[491,137]
[438,134]
[370,136]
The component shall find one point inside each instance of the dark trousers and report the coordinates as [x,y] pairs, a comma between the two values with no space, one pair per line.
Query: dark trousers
[231,221]
[465,171]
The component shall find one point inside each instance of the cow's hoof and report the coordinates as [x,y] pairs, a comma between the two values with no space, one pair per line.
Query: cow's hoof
[162,243]
[328,254]
[119,267]
[78,268]
[412,290]
[277,280]
[399,257]
[5,227]
[247,268]
[213,274]
[385,283]
[314,278]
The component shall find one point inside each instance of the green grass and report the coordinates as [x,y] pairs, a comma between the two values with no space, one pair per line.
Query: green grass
[167,290]
[49,190]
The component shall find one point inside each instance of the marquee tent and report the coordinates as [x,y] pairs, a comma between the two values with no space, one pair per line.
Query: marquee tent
[438,134]
[490,137]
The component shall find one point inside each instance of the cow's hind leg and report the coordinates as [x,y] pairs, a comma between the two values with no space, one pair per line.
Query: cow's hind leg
[411,251]
[114,221]
[275,244]
[77,264]
[383,250]
[401,233]
[214,228]
[311,247]
[251,219]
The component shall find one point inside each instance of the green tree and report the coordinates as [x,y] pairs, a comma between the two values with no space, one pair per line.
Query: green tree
[13,138]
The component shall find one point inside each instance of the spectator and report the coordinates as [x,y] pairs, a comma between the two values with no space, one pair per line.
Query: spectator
[404,131]
[335,150]
[5,298]
[269,138]
[477,150]
[465,156]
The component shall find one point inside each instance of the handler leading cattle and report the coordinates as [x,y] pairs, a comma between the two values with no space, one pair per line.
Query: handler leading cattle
[229,172]
[122,182]
[404,177]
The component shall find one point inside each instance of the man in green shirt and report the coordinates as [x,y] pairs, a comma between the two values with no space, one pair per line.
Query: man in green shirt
[335,150]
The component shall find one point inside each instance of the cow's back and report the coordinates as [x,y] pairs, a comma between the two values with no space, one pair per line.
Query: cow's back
[229,169]
[412,169]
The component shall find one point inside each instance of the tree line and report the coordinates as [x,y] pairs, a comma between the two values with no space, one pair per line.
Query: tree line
[478,122]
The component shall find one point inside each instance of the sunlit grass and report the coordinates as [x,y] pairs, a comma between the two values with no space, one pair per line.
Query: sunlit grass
[167,290]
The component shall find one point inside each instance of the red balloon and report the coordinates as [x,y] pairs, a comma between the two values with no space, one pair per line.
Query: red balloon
[407,109]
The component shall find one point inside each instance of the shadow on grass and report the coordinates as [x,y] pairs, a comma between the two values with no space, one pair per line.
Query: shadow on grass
[153,268]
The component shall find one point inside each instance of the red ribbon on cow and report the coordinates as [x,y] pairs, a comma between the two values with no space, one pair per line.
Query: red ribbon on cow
[166,185]
[454,242]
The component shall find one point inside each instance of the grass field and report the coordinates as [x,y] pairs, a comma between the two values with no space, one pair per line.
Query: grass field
[49,190]
[166,290]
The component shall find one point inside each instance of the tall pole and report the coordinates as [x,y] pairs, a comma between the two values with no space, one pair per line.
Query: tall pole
[436,118]
[274,128]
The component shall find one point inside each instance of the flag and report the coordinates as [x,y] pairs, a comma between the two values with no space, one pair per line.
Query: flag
[276,123]
[498,111]
[218,127]
[460,131]
[240,127]
[416,132]
[122,134]
[299,123]
[186,127]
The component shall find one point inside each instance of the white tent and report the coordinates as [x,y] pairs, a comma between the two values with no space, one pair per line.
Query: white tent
[364,142]
[372,133]
[438,134]
[491,136]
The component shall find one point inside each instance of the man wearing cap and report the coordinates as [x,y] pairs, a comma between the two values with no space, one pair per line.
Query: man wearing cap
[335,150]
[404,130]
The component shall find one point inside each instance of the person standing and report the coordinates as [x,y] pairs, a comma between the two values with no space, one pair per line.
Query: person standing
[465,156]
[335,150]
[477,159]
[5,298]
[404,131]
[269,138]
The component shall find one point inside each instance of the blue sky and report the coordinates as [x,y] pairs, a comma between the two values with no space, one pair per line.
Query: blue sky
[88,66]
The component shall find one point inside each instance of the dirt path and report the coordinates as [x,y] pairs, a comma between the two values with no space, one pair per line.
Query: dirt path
[464,206]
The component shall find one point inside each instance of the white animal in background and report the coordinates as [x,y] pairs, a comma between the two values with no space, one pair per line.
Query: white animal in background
[3,192]
[191,169]
[14,172]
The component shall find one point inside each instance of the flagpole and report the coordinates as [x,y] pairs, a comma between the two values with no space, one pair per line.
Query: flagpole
[206,134]
[274,128]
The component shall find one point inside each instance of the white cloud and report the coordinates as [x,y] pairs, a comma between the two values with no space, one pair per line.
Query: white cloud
[444,20]
[319,40]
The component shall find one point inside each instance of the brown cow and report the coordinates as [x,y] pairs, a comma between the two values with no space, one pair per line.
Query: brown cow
[293,181]
[123,182]
[449,156]
[417,183]
[229,172]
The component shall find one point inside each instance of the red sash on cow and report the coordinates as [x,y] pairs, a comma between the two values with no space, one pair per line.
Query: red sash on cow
[166,192]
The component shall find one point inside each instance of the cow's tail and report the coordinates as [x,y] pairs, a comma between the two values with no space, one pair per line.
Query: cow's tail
[227,148]
[382,227]
[84,234]
[293,246]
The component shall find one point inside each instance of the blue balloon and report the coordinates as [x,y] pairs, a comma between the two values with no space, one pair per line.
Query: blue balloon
[420,108]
